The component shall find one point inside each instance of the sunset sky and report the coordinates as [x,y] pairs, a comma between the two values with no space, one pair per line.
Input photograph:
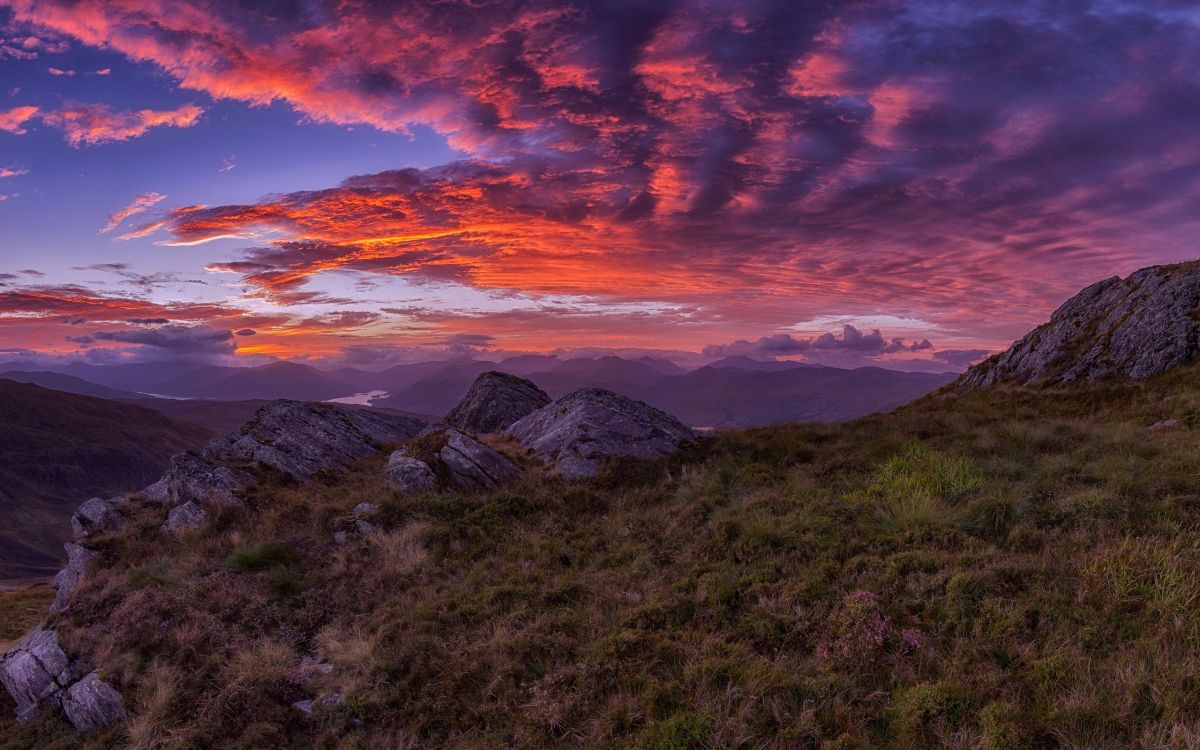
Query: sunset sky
[910,184]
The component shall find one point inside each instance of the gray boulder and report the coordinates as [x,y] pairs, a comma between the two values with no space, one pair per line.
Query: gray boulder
[1135,327]
[473,466]
[578,431]
[494,401]
[410,476]
[97,516]
[184,518]
[92,704]
[301,438]
[33,670]
[79,563]
[192,478]
[365,509]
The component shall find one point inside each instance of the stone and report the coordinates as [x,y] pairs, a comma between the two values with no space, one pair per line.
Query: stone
[33,670]
[301,438]
[97,516]
[79,563]
[92,704]
[410,476]
[341,537]
[365,509]
[365,528]
[578,431]
[474,467]
[184,518]
[304,706]
[494,401]
[1166,424]
[193,478]
[1143,325]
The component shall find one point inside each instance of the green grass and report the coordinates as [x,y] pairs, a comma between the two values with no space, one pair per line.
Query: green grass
[1002,569]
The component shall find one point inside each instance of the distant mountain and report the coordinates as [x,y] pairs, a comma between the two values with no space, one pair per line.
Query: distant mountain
[276,380]
[58,449]
[57,381]
[735,394]
[742,362]
[212,414]
[525,364]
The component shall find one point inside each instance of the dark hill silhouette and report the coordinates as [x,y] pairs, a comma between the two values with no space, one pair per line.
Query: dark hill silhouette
[56,450]
[276,380]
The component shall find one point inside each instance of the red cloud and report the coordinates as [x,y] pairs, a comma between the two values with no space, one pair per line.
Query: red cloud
[138,205]
[11,121]
[91,124]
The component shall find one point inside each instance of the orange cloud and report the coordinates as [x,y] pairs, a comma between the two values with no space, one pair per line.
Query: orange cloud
[92,124]
[139,204]
[11,121]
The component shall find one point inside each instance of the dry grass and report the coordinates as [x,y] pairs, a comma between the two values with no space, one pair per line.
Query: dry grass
[1009,569]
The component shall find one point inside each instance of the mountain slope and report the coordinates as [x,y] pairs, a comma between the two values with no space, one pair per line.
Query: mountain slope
[1001,568]
[56,450]
[276,380]
[57,381]
[1143,325]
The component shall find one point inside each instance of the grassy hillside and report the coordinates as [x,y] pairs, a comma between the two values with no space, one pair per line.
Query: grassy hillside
[1003,569]
[58,449]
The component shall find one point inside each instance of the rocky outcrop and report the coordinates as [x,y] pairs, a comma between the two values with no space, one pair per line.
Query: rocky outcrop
[34,670]
[494,401]
[473,466]
[410,476]
[37,672]
[1135,327]
[449,459]
[192,478]
[578,431]
[97,516]
[301,438]
[92,704]
[79,562]
[184,518]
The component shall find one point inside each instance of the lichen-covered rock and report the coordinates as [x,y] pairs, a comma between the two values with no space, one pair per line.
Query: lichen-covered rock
[301,438]
[92,704]
[79,562]
[1135,327]
[410,476]
[192,478]
[183,518]
[579,430]
[365,509]
[97,516]
[494,401]
[474,467]
[34,670]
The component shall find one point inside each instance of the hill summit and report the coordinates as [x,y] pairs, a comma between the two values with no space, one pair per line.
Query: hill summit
[1139,326]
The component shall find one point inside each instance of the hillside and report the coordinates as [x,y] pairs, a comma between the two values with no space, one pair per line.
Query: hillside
[59,449]
[276,380]
[1005,568]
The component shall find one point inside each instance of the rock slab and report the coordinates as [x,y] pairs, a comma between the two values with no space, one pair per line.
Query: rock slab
[33,670]
[495,401]
[410,476]
[92,704]
[578,431]
[79,562]
[1136,327]
[301,438]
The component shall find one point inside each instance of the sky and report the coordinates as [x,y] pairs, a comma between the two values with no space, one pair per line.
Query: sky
[907,184]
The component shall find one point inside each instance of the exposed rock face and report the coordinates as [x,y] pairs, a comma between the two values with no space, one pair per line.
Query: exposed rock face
[1135,327]
[192,478]
[580,429]
[79,561]
[301,438]
[457,460]
[410,476]
[495,401]
[92,704]
[184,518]
[473,466]
[97,516]
[34,670]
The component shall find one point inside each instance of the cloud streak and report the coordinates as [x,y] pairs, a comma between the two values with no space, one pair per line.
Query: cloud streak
[141,203]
